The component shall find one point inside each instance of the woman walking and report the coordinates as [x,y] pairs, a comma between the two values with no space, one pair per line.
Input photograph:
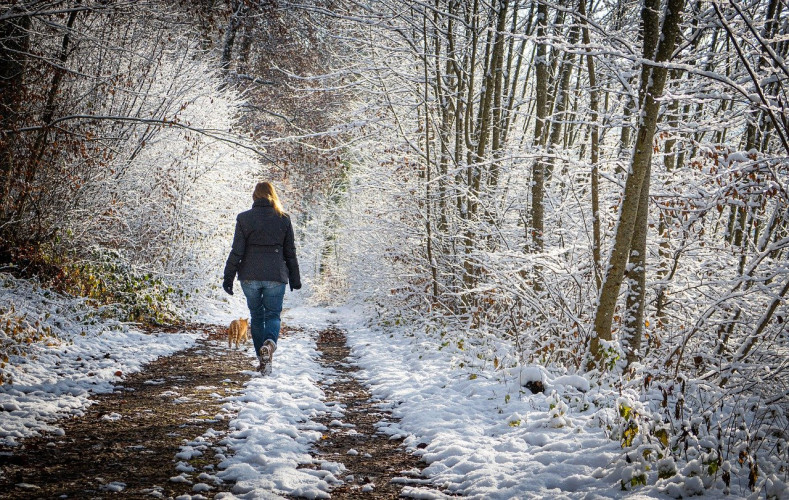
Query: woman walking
[264,257]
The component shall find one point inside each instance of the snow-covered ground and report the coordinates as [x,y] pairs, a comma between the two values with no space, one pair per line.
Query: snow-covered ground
[58,381]
[481,432]
[482,436]
[58,375]
[275,427]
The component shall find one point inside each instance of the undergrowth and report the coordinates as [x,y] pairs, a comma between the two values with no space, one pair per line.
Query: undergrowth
[686,439]
[17,333]
[680,438]
[72,296]
[118,289]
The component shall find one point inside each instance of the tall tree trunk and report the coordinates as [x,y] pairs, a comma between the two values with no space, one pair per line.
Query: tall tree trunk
[500,70]
[669,162]
[541,112]
[428,171]
[499,89]
[245,46]
[15,36]
[639,168]
[633,329]
[633,324]
[467,203]
[41,142]
[595,145]
[494,51]
[237,11]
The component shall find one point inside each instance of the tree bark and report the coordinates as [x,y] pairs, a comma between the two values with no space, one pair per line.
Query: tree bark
[428,173]
[639,168]
[633,324]
[46,119]
[595,145]
[541,115]
[15,37]
[237,7]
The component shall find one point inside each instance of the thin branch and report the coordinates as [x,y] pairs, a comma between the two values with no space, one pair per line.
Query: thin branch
[214,134]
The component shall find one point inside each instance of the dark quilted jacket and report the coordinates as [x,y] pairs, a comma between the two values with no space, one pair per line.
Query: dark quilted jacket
[263,247]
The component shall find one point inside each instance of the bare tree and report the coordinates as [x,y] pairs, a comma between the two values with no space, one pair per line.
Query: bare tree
[635,197]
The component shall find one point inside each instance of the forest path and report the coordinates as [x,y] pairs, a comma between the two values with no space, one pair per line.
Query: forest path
[128,442]
[377,465]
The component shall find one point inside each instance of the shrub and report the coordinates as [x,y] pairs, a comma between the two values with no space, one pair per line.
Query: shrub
[118,289]
[17,333]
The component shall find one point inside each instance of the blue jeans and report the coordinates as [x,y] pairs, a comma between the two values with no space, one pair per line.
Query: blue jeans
[264,299]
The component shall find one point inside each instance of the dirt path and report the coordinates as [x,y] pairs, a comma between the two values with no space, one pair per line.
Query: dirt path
[378,466]
[129,439]
[128,442]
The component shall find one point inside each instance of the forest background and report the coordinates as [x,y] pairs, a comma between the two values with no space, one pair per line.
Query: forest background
[601,185]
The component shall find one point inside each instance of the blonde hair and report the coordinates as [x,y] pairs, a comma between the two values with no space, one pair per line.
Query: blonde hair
[266,190]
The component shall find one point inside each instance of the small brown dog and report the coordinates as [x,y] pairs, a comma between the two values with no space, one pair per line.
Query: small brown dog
[238,332]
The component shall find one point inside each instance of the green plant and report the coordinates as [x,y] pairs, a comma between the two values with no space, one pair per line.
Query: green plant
[630,426]
[120,290]
[638,480]
[610,357]
[17,334]
[666,468]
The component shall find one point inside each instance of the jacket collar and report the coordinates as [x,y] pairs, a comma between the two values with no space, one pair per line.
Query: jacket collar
[262,202]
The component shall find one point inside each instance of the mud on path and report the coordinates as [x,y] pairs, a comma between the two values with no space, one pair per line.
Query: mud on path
[128,440]
[377,466]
